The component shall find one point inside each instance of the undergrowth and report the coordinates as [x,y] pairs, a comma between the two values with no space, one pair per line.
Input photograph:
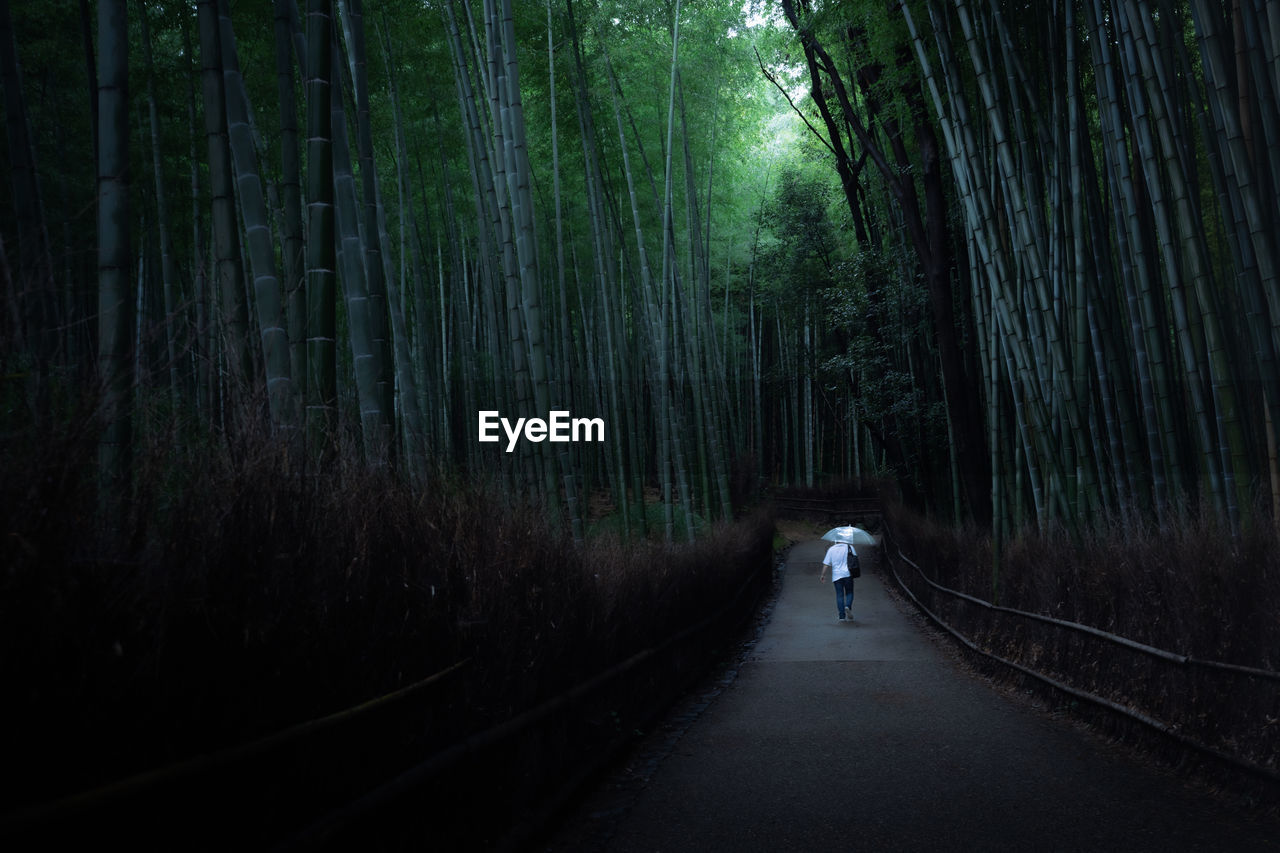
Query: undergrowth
[243,594]
[1188,586]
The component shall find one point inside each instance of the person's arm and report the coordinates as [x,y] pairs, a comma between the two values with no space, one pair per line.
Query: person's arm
[822,574]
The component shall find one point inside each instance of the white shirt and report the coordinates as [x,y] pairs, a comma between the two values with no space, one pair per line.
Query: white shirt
[837,559]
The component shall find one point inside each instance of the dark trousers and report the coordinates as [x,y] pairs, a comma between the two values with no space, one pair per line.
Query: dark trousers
[844,595]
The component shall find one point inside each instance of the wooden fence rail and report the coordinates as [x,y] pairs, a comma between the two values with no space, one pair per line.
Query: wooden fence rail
[275,791]
[1169,730]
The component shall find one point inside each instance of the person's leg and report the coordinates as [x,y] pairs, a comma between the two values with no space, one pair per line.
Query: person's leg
[842,592]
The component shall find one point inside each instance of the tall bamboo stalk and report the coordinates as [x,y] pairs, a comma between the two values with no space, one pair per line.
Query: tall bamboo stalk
[352,15]
[321,276]
[226,240]
[259,238]
[366,354]
[115,307]
[168,261]
[293,248]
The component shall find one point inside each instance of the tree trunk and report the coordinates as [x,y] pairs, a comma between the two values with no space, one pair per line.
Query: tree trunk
[168,263]
[366,354]
[293,249]
[272,329]
[322,383]
[226,242]
[379,314]
[33,276]
[115,307]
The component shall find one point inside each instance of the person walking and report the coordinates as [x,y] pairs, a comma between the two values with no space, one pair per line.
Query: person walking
[843,562]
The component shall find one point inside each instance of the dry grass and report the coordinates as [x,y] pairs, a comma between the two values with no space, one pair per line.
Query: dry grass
[1190,587]
[799,531]
[244,596]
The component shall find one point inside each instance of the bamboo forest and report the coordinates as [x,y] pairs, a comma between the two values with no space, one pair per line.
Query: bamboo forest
[1023,263]
[316,310]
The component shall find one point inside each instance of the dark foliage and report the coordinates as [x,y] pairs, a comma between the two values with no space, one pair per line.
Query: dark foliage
[1189,587]
[249,594]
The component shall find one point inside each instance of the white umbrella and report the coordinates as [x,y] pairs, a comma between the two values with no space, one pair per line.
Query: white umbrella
[849,535]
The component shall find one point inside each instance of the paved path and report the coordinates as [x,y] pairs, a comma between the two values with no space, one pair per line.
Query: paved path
[865,736]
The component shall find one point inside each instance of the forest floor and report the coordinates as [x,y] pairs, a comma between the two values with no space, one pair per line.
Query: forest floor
[873,735]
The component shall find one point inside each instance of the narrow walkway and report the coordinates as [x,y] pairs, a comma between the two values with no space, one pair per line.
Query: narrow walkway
[865,736]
